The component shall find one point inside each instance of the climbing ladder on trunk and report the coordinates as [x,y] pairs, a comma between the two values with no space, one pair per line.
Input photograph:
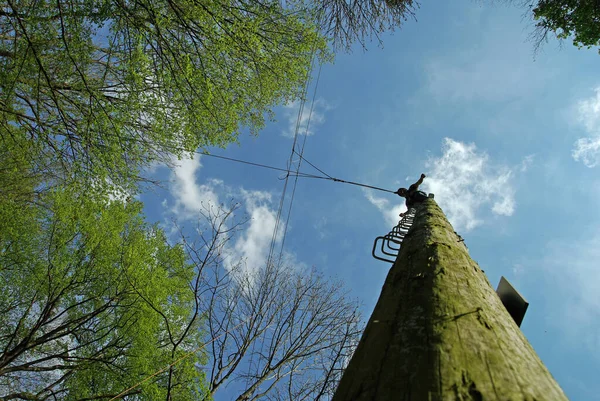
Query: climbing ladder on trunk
[390,243]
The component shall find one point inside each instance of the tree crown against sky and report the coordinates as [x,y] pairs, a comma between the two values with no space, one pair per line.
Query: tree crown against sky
[93,298]
[358,21]
[95,301]
[98,90]
[91,93]
[566,19]
[102,89]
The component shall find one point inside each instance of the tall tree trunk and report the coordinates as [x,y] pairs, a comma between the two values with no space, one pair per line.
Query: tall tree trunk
[440,332]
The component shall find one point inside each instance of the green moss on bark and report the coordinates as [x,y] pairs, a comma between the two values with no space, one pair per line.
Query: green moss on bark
[439,331]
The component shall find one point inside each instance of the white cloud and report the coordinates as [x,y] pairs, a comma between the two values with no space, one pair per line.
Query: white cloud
[303,118]
[191,197]
[253,245]
[527,162]
[390,212]
[464,182]
[587,150]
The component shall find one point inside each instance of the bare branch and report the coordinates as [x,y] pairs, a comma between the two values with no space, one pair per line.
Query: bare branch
[297,324]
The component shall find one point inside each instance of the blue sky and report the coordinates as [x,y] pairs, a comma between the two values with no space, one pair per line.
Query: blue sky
[509,139]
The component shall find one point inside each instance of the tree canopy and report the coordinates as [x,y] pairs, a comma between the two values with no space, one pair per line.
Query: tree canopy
[96,304]
[95,90]
[93,298]
[576,19]
[281,332]
[347,22]
[100,88]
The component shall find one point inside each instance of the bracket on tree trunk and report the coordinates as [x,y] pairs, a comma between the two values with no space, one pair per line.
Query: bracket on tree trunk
[514,302]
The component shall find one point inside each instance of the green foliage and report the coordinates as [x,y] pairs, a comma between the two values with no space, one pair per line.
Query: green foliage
[578,19]
[92,301]
[95,90]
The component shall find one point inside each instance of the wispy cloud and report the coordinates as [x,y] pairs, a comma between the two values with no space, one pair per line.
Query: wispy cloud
[253,245]
[495,71]
[390,210]
[306,118]
[571,275]
[191,197]
[587,149]
[527,162]
[321,227]
[465,182]
[498,65]
[486,79]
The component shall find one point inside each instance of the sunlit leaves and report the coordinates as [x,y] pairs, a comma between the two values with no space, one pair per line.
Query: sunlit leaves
[92,298]
[576,19]
[109,87]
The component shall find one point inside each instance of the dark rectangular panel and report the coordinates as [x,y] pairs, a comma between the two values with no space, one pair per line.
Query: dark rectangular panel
[514,302]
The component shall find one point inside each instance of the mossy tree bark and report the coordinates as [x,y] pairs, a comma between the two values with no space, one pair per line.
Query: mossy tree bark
[440,332]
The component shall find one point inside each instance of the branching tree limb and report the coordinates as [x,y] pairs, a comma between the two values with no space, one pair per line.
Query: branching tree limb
[96,90]
[297,329]
[94,299]
[349,21]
